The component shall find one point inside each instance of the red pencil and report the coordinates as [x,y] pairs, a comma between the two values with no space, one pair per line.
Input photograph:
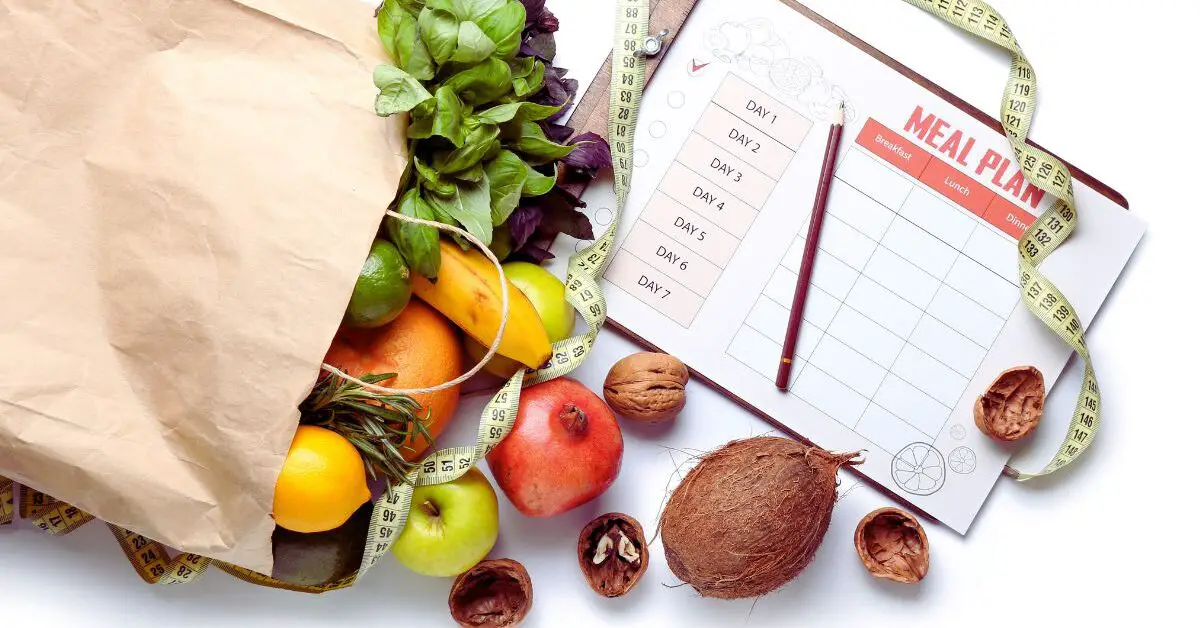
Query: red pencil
[810,251]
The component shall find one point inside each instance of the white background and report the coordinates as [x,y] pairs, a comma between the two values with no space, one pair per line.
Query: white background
[1109,539]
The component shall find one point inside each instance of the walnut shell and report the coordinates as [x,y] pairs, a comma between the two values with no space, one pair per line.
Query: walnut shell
[613,554]
[1012,406]
[892,545]
[647,387]
[492,594]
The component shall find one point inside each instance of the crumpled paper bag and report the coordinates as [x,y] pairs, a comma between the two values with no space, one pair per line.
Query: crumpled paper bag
[187,192]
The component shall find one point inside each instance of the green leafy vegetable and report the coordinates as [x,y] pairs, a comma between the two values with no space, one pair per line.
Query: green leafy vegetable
[524,111]
[530,140]
[478,143]
[417,243]
[482,83]
[400,35]
[439,31]
[506,175]
[473,44]
[448,116]
[470,205]
[502,20]
[399,91]
[537,184]
[531,84]
[431,179]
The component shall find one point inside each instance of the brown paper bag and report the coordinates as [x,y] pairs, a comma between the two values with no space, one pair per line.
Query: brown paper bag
[187,192]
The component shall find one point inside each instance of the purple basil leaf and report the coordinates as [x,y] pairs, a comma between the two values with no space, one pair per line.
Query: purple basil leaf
[590,156]
[559,91]
[523,222]
[533,10]
[548,22]
[557,133]
[541,45]
[534,252]
[560,218]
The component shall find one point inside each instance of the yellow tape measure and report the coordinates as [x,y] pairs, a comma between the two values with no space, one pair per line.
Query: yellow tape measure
[1050,230]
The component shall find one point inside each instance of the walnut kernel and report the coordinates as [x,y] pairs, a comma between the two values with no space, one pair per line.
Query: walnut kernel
[612,554]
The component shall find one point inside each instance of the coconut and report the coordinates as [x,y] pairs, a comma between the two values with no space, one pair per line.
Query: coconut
[750,516]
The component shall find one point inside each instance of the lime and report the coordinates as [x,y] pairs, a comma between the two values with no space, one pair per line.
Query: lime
[383,288]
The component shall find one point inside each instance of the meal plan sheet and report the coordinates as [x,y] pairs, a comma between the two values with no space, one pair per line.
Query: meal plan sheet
[914,307]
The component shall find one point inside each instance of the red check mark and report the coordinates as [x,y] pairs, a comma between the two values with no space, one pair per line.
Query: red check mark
[696,67]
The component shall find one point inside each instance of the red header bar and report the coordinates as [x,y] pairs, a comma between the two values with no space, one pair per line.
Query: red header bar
[893,148]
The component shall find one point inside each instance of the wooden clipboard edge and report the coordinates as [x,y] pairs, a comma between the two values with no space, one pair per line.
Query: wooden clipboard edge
[593,111]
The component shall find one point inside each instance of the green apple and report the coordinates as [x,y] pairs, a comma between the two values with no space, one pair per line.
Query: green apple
[549,298]
[450,527]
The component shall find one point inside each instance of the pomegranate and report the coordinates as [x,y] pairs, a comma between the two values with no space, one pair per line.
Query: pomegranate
[564,450]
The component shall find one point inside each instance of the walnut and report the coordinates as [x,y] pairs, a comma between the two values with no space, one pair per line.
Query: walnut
[1012,406]
[647,387]
[612,554]
[492,594]
[892,545]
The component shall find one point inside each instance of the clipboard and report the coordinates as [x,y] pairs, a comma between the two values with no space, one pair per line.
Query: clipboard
[592,112]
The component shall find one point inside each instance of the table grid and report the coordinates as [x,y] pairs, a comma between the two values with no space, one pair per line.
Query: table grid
[896,324]
[710,196]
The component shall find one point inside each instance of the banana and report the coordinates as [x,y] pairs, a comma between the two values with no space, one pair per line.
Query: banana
[468,292]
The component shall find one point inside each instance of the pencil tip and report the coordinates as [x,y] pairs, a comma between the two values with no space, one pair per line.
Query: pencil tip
[841,113]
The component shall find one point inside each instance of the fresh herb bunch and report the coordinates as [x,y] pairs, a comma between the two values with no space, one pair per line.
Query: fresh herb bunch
[477,80]
[382,427]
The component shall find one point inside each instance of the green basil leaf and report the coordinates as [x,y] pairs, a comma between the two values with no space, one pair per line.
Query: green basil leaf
[482,83]
[439,31]
[420,120]
[506,175]
[387,22]
[432,180]
[473,174]
[476,146]
[453,7]
[417,243]
[517,110]
[473,44]
[447,120]
[502,20]
[521,67]
[470,205]
[532,84]
[399,91]
[410,52]
[531,141]
[537,184]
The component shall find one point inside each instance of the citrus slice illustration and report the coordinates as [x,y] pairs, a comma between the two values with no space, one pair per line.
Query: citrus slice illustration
[919,469]
[961,460]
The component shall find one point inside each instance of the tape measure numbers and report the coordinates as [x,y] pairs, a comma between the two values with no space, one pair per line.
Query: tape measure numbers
[1049,231]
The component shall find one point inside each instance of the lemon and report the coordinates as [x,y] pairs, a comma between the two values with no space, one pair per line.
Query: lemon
[322,483]
[383,288]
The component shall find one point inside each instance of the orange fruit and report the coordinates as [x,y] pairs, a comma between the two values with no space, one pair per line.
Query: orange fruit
[322,483]
[421,347]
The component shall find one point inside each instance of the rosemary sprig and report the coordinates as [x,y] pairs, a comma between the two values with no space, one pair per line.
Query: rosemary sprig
[380,426]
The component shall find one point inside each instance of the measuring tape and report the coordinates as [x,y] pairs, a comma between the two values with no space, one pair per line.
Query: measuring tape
[1053,228]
